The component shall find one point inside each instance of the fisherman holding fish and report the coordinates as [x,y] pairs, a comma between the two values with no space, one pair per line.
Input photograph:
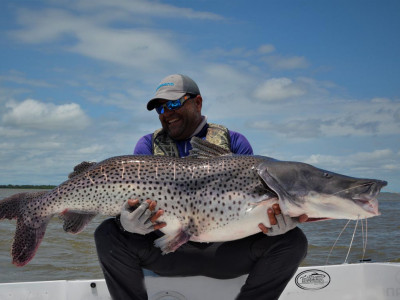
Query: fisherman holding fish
[125,244]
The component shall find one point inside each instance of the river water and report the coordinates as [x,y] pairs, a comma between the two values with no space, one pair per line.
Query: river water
[66,256]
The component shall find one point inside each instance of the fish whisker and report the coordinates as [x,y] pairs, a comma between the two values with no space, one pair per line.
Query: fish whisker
[354,187]
[351,242]
[337,239]
[365,238]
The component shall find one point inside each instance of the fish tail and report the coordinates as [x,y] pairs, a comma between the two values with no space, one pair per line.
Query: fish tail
[27,238]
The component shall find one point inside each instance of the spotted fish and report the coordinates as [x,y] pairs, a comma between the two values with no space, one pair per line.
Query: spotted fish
[209,196]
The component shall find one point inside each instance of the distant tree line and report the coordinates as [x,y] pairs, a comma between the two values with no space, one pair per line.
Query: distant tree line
[25,186]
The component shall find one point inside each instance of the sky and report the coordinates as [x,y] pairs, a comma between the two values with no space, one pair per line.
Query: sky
[312,81]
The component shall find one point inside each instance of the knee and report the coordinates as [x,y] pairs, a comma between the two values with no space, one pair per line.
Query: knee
[297,243]
[102,235]
[110,240]
[104,229]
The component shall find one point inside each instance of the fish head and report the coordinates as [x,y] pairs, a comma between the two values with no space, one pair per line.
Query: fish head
[305,189]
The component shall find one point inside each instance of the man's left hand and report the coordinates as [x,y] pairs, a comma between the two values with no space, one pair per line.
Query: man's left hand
[280,223]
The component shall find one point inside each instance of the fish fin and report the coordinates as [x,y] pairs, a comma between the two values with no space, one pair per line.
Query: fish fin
[75,222]
[27,241]
[169,243]
[80,168]
[270,183]
[203,149]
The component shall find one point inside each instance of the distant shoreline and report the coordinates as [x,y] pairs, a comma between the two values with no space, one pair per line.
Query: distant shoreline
[26,186]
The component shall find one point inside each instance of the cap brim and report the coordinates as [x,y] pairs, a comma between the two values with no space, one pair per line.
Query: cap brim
[152,104]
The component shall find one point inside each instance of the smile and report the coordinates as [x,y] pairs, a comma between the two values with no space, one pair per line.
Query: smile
[172,121]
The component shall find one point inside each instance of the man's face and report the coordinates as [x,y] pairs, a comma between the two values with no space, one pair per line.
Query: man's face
[181,123]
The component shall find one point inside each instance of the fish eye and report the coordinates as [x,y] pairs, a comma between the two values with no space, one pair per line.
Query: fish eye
[327,175]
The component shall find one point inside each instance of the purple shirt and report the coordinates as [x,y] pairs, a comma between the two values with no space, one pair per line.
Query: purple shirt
[239,144]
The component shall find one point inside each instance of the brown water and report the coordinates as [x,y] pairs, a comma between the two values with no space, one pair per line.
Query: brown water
[66,256]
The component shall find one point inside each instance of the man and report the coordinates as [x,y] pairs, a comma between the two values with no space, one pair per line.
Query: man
[125,245]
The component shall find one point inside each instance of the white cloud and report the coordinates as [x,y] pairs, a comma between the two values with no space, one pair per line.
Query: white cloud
[147,8]
[135,48]
[139,48]
[224,84]
[19,78]
[356,117]
[380,100]
[46,25]
[362,164]
[374,155]
[299,129]
[221,52]
[33,114]
[330,117]
[353,159]
[262,53]
[89,28]
[14,132]
[278,89]
[396,115]
[286,63]
[266,49]
[392,167]
[92,149]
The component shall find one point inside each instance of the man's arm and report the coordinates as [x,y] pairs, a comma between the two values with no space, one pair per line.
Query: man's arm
[144,145]
[239,144]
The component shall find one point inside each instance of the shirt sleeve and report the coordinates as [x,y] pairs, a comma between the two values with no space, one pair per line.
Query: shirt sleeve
[144,146]
[239,144]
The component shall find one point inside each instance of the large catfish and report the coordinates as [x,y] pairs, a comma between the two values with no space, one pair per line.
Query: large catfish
[209,196]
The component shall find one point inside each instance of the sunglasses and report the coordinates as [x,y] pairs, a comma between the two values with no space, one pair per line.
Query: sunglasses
[173,104]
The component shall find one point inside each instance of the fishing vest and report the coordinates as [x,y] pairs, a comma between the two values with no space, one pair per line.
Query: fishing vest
[164,145]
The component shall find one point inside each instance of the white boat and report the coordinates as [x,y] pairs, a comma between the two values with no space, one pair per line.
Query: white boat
[364,281]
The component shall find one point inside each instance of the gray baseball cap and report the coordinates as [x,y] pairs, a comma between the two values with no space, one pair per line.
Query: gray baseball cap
[173,87]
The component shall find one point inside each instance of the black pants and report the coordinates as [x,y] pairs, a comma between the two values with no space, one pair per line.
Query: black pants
[269,261]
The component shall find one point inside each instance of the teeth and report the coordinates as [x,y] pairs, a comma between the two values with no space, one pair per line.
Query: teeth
[172,121]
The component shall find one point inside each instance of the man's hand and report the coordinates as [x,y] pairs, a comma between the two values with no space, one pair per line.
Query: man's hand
[280,223]
[141,220]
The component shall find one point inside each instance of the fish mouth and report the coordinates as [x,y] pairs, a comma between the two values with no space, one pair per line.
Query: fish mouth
[370,206]
[366,198]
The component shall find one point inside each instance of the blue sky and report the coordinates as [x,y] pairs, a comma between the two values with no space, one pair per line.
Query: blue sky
[312,81]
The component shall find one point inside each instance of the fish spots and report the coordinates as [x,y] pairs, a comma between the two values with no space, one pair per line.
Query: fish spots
[202,194]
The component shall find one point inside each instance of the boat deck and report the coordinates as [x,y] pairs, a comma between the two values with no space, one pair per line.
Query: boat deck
[380,281]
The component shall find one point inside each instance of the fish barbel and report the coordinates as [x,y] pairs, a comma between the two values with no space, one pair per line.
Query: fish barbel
[209,196]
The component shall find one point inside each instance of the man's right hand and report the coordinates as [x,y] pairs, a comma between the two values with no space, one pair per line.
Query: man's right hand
[141,220]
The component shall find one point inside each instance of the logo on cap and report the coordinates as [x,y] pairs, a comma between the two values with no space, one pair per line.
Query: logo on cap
[165,84]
